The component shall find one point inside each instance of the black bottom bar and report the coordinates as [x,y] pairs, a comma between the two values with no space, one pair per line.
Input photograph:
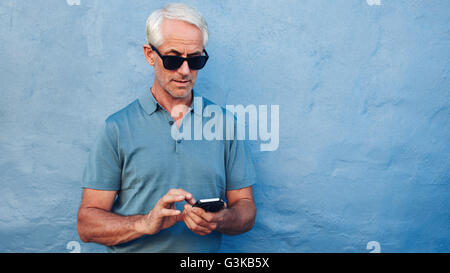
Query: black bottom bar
[224,262]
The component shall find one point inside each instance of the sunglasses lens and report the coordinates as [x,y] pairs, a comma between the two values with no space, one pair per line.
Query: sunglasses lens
[172,62]
[197,62]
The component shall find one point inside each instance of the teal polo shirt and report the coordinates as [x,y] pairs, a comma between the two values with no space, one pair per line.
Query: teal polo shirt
[137,155]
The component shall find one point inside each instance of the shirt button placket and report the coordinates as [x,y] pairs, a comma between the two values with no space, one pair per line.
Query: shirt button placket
[178,141]
[178,145]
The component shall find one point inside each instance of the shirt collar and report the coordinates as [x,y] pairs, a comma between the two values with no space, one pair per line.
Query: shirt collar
[150,105]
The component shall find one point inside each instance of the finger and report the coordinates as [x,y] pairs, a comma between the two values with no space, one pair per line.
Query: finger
[179,217]
[187,221]
[188,196]
[168,199]
[191,200]
[207,216]
[169,212]
[199,220]
[187,208]
[194,227]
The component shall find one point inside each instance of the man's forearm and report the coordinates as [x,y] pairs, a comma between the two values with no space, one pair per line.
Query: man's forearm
[107,228]
[239,218]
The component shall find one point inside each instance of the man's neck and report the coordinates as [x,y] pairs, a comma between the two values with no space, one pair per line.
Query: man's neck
[169,102]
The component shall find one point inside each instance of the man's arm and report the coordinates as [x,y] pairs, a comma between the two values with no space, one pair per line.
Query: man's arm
[96,222]
[237,218]
[241,215]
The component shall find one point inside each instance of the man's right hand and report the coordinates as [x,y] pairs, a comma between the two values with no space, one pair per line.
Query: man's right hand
[164,214]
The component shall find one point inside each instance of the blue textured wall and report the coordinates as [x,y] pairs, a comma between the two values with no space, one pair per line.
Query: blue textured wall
[364,98]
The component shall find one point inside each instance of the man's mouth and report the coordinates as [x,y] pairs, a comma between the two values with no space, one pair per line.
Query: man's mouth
[182,81]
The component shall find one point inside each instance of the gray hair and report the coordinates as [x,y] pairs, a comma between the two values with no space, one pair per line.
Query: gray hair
[175,11]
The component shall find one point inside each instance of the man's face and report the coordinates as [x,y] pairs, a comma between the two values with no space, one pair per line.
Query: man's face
[179,39]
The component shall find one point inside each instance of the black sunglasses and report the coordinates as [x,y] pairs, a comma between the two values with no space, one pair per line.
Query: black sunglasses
[171,62]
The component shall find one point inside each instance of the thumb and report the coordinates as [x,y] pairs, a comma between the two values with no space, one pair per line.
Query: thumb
[179,217]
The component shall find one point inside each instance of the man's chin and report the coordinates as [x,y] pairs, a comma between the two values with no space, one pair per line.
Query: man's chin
[180,93]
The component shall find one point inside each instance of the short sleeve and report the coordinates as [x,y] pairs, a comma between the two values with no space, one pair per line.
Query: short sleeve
[240,170]
[103,168]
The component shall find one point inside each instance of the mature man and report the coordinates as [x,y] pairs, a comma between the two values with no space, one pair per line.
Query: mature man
[138,176]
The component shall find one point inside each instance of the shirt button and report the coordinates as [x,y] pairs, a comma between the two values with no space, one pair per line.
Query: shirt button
[171,122]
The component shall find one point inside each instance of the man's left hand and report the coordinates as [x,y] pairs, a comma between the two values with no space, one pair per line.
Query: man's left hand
[200,221]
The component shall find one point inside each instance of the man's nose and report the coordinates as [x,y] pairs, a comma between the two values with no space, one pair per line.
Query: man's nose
[184,68]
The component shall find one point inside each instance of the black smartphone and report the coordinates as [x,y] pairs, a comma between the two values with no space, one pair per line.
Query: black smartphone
[210,205]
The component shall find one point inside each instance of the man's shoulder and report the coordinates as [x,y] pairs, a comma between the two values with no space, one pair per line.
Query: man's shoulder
[124,114]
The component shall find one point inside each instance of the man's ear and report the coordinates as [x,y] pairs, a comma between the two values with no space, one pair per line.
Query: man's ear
[149,55]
